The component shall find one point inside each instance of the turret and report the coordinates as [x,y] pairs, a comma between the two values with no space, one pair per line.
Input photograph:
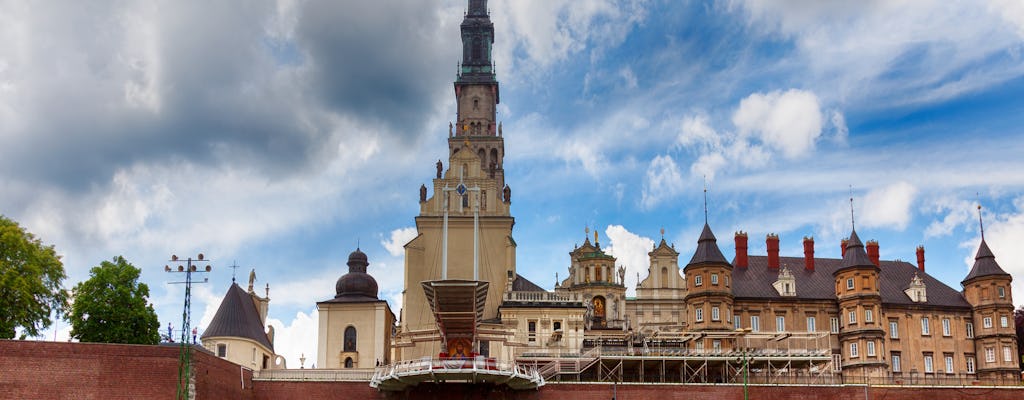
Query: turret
[860,305]
[709,296]
[987,288]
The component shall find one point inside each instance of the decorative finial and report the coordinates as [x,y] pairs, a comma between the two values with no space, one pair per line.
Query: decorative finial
[357,243]
[705,199]
[586,231]
[981,224]
[595,236]
[663,233]
[853,223]
[234,269]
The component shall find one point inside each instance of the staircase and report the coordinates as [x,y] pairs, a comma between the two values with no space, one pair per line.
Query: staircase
[570,366]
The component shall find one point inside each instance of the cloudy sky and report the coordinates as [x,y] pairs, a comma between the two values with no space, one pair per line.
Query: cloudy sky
[278,135]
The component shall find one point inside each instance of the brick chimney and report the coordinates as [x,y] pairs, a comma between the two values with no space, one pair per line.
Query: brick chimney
[773,250]
[741,250]
[872,248]
[842,246]
[809,253]
[920,258]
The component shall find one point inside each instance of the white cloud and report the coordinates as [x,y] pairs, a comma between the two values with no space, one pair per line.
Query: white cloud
[399,237]
[889,206]
[630,250]
[696,130]
[957,213]
[1011,10]
[296,339]
[661,182]
[787,121]
[839,124]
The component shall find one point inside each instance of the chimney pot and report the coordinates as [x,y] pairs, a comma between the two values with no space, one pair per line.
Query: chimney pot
[809,253]
[920,258]
[872,248]
[773,250]
[741,249]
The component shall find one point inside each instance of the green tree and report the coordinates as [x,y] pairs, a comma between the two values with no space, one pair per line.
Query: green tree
[112,306]
[30,282]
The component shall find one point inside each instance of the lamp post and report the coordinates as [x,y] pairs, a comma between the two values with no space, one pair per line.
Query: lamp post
[746,361]
[185,357]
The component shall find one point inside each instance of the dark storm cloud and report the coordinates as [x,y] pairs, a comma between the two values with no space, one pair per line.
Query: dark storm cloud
[97,90]
[383,60]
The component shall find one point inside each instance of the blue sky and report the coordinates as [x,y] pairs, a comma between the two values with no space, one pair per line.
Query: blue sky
[278,135]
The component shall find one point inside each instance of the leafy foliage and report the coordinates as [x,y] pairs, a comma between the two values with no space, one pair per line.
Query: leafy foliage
[30,282]
[112,306]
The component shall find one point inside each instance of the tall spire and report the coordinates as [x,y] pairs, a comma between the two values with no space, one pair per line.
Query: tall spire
[853,222]
[477,39]
[705,199]
[981,224]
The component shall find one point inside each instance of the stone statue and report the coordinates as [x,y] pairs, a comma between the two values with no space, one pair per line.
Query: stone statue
[588,316]
[622,275]
[499,129]
[450,128]
[440,168]
[252,279]
[615,310]
[423,193]
[507,192]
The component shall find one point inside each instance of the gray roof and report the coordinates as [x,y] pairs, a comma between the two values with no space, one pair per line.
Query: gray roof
[707,249]
[237,317]
[855,256]
[985,264]
[522,284]
[755,282]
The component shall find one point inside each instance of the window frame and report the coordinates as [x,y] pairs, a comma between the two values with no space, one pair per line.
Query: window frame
[986,322]
[971,367]
[949,364]
[929,364]
[849,284]
[755,323]
[894,329]
[946,328]
[871,348]
[869,315]
[714,279]
[990,355]
[812,324]
[834,324]
[698,314]
[854,352]
[716,314]
[926,329]
[698,280]
[895,362]
[852,318]
[970,330]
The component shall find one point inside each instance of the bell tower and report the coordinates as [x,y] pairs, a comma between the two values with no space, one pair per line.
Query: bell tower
[476,94]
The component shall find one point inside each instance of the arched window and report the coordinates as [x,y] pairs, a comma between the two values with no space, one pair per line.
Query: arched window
[348,362]
[494,158]
[483,159]
[350,339]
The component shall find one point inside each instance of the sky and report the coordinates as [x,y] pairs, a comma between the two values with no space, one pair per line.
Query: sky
[280,135]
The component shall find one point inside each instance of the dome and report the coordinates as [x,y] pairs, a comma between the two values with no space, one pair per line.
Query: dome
[356,284]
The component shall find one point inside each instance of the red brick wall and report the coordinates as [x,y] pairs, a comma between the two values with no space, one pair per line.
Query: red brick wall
[53,370]
[50,370]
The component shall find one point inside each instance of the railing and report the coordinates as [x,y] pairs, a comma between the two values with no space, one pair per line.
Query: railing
[472,367]
[543,297]
[330,375]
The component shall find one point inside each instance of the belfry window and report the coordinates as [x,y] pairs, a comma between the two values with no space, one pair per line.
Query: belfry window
[350,340]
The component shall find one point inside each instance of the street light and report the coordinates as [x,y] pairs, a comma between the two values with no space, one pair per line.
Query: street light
[746,362]
[185,357]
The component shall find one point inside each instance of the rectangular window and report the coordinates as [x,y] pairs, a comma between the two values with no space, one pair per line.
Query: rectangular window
[1002,292]
[853,350]
[894,330]
[925,329]
[222,350]
[837,362]
[811,324]
[700,346]
[715,314]
[697,280]
[1003,321]
[557,326]
[780,324]
[1007,356]
[834,321]
[849,284]
[895,362]
[716,345]
[990,355]
[714,279]
[531,328]
[970,329]
[735,322]
[949,364]
[986,322]
[853,317]
[928,367]
[699,314]
[755,323]
[946,331]
[871,348]
[869,316]
[970,364]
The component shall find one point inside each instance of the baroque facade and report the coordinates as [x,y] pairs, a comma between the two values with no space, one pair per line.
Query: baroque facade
[853,318]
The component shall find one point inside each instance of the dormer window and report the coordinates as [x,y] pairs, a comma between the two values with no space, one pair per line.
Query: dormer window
[916,291]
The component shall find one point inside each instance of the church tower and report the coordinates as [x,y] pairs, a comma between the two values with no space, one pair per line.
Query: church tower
[465,224]
[476,94]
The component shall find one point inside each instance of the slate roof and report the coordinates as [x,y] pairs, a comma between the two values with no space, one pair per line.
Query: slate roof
[237,317]
[522,284]
[707,249]
[855,256]
[984,264]
[755,282]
